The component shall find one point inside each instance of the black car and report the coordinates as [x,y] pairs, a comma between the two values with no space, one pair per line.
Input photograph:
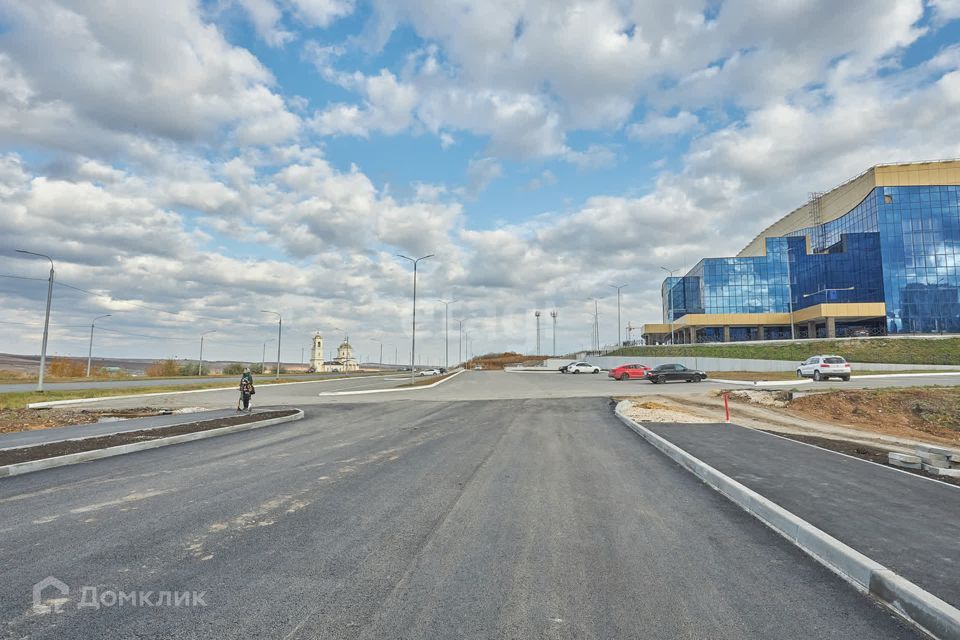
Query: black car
[669,372]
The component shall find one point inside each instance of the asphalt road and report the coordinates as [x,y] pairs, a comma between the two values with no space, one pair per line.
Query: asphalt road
[875,509]
[142,382]
[413,519]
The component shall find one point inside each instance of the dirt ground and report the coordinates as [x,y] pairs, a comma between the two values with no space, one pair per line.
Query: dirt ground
[658,412]
[925,413]
[15,420]
[40,452]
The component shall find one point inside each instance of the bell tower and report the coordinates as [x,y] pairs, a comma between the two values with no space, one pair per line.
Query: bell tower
[316,354]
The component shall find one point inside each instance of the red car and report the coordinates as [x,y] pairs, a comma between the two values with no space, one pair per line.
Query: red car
[629,371]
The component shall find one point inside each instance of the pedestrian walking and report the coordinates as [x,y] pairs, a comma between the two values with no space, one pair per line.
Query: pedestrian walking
[246,390]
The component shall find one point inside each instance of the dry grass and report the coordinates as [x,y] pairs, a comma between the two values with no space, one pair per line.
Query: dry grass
[501,360]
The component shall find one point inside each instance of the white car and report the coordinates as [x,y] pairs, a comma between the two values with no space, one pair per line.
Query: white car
[428,372]
[582,367]
[823,367]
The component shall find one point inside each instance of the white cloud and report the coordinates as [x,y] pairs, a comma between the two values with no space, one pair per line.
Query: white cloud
[545,179]
[659,126]
[130,71]
[480,173]
[387,108]
[266,17]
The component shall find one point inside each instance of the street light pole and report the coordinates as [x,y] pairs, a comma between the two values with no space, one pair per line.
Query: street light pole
[446,329]
[90,351]
[46,318]
[460,342]
[553,314]
[413,337]
[670,301]
[537,314]
[380,362]
[790,294]
[279,335]
[619,331]
[200,367]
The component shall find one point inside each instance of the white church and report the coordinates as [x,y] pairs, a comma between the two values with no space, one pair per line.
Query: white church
[343,362]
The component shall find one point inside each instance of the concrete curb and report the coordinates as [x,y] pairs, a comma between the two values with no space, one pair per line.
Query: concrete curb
[919,607]
[85,456]
[761,383]
[906,375]
[60,403]
[359,393]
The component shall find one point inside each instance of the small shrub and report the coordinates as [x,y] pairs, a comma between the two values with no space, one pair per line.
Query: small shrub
[163,369]
[61,367]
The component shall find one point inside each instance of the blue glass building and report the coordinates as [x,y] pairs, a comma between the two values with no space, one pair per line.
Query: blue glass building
[877,255]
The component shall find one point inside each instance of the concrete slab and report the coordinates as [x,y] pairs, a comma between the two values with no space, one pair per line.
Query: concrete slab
[905,460]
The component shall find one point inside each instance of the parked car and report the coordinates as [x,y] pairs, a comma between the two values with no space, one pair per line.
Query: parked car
[582,367]
[563,368]
[428,372]
[628,371]
[671,372]
[824,367]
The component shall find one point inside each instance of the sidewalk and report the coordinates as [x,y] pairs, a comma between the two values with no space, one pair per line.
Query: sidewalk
[56,434]
[905,522]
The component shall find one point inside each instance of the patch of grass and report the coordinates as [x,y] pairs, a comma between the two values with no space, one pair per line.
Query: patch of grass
[20,399]
[893,350]
[425,380]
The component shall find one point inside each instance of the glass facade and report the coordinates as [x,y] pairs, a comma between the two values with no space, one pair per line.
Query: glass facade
[899,246]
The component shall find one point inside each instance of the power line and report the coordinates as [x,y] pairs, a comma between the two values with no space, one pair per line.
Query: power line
[5,275]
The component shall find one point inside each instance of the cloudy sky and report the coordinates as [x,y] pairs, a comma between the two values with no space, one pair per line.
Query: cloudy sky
[187,164]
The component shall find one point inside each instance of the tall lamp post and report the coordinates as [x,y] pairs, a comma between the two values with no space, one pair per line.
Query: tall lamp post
[446,329]
[670,301]
[90,350]
[413,343]
[619,331]
[202,335]
[460,342]
[46,319]
[380,362]
[553,314]
[537,314]
[279,335]
[790,294]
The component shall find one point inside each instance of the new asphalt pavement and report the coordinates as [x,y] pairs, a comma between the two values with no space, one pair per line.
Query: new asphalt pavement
[410,517]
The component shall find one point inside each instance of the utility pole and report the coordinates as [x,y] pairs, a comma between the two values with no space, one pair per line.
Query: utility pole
[790,294]
[619,331]
[537,314]
[596,327]
[200,366]
[553,314]
[279,335]
[46,318]
[460,342]
[90,351]
[446,329]
[413,335]
[670,300]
